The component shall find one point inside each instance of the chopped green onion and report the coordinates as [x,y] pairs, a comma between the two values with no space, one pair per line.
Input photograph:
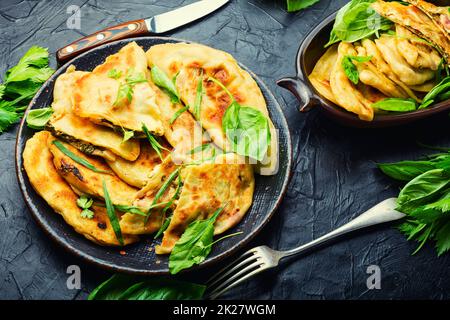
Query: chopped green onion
[161,191]
[112,214]
[198,96]
[178,113]
[153,142]
[76,158]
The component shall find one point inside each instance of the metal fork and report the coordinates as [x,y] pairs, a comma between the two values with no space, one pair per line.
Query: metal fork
[263,258]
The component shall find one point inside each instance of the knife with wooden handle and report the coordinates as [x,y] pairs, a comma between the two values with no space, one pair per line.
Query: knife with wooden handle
[153,25]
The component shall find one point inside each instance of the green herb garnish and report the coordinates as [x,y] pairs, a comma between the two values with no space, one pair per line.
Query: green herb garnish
[425,199]
[127,287]
[153,142]
[350,69]
[85,203]
[126,89]
[127,135]
[164,82]
[198,96]
[246,128]
[296,5]
[114,73]
[439,93]
[201,148]
[396,104]
[194,244]
[357,20]
[178,113]
[162,190]
[21,82]
[76,158]
[38,118]
[166,220]
[112,215]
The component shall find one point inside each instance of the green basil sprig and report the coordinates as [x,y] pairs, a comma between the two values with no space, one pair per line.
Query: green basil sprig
[350,69]
[396,105]
[425,199]
[439,93]
[194,245]
[246,128]
[164,82]
[127,287]
[357,20]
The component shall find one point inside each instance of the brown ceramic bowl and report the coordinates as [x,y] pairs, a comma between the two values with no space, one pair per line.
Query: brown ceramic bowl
[308,54]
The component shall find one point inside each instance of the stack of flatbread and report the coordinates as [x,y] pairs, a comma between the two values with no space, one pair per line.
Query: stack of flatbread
[91,123]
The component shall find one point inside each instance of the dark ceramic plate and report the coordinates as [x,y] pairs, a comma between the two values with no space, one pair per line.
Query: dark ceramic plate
[140,258]
[311,49]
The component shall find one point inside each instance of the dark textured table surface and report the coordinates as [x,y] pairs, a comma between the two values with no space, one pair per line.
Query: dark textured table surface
[334,175]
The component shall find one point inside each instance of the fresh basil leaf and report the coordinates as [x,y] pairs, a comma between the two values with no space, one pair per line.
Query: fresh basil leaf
[442,88]
[112,215]
[406,170]
[38,118]
[178,113]
[153,142]
[198,96]
[422,188]
[126,287]
[194,244]
[357,20]
[248,131]
[296,5]
[164,82]
[114,73]
[76,158]
[396,105]
[350,70]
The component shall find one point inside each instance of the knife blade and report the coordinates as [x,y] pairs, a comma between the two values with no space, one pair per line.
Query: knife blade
[160,23]
[176,18]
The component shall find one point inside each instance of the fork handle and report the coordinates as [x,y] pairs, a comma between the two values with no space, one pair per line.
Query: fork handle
[380,213]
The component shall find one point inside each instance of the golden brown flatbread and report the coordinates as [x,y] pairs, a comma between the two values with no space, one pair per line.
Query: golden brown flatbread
[185,60]
[206,188]
[81,133]
[38,163]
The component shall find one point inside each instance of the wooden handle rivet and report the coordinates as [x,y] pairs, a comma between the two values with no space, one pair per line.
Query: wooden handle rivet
[69,49]
[100,36]
[132,26]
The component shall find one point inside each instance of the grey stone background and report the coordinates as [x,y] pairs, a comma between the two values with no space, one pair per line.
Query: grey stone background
[334,174]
